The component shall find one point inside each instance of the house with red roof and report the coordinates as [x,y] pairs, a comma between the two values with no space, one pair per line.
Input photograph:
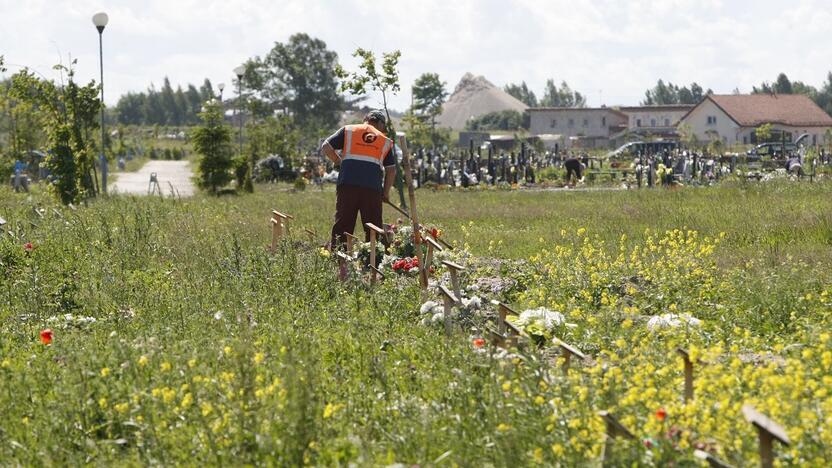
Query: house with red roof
[734,119]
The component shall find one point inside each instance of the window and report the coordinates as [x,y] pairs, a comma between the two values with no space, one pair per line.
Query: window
[604,121]
[652,122]
[666,122]
[711,120]
[586,122]
[638,122]
[745,140]
[571,123]
[554,123]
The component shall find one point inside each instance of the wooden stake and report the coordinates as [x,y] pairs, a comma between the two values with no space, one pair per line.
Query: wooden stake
[503,311]
[417,238]
[568,351]
[767,432]
[454,270]
[374,232]
[614,430]
[351,240]
[432,245]
[277,232]
[448,300]
[688,374]
[284,218]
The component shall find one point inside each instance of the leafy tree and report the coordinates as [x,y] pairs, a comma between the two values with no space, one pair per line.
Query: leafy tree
[212,140]
[69,115]
[669,94]
[501,120]
[384,80]
[563,97]
[522,93]
[429,94]
[763,132]
[298,77]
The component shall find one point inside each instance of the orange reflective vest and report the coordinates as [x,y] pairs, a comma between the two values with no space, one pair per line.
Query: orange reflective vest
[363,142]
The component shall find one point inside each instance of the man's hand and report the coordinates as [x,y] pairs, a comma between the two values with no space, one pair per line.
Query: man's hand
[385,197]
[330,153]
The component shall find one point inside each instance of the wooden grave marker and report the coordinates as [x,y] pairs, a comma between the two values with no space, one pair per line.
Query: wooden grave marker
[432,245]
[568,351]
[279,225]
[497,338]
[351,240]
[378,272]
[448,300]
[712,460]
[767,432]
[614,430]
[688,374]
[343,262]
[454,270]
[503,310]
[374,232]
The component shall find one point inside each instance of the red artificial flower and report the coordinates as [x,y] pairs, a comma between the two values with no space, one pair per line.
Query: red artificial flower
[478,342]
[46,336]
[661,414]
[648,443]
[435,233]
[28,247]
[415,261]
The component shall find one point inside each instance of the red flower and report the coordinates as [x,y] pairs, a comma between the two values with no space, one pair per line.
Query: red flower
[478,342]
[46,336]
[28,247]
[415,261]
[435,233]
[648,443]
[661,414]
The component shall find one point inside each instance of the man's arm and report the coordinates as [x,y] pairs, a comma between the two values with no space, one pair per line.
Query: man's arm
[330,153]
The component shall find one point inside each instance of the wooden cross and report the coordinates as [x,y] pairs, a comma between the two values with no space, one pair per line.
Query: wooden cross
[417,238]
[614,430]
[278,224]
[351,240]
[497,338]
[454,270]
[688,374]
[767,432]
[376,271]
[568,351]
[448,300]
[713,461]
[374,232]
[503,310]
[432,245]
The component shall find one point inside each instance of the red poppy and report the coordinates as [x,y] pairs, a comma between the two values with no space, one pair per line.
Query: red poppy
[28,247]
[661,414]
[46,336]
[478,342]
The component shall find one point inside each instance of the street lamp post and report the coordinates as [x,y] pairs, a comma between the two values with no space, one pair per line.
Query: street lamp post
[221,87]
[100,21]
[239,71]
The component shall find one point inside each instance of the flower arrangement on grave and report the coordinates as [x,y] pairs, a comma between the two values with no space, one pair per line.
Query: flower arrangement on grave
[362,255]
[401,255]
[540,324]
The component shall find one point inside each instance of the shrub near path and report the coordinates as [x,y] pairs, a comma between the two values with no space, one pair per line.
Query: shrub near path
[177,338]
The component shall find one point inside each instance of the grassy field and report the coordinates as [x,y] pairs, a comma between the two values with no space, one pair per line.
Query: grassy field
[177,338]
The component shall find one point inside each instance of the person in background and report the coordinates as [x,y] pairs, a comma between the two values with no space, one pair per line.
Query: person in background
[794,165]
[575,167]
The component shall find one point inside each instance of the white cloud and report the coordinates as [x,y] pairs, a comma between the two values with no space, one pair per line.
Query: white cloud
[603,48]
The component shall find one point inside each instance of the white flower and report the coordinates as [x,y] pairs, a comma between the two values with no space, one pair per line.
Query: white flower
[672,321]
[438,318]
[427,307]
[548,318]
[218,315]
[472,303]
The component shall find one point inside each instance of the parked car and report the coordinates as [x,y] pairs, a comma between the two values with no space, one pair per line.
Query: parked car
[779,148]
[634,148]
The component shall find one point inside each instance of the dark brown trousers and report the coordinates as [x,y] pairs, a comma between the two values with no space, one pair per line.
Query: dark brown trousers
[350,201]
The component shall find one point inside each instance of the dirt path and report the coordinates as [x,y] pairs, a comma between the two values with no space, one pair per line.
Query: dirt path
[175,173]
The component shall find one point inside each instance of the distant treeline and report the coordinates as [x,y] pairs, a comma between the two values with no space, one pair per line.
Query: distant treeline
[164,107]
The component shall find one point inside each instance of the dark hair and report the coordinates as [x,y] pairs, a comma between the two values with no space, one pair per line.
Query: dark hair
[376,116]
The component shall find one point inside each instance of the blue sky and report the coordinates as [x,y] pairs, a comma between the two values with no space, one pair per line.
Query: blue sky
[611,50]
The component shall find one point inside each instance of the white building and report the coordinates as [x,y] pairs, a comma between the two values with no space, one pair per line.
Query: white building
[733,119]
[655,120]
[585,127]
